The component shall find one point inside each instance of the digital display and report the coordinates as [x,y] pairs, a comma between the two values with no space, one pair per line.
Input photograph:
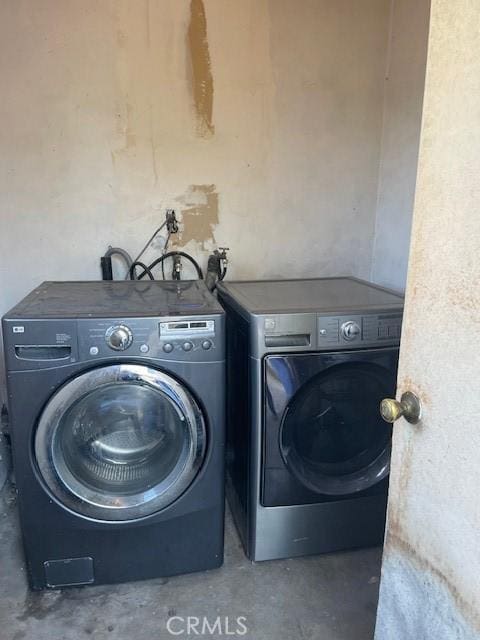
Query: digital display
[183,327]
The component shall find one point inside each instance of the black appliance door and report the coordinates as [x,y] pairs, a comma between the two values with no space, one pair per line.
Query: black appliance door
[120,442]
[323,432]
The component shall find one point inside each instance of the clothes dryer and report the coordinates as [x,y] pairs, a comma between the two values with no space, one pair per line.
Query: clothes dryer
[308,454]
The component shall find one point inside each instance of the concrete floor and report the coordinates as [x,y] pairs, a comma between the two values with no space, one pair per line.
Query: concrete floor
[330,597]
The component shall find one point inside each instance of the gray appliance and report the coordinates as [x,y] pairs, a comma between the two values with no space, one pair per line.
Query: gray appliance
[116,402]
[307,451]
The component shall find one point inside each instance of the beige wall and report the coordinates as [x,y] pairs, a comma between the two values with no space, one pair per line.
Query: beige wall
[404,87]
[260,120]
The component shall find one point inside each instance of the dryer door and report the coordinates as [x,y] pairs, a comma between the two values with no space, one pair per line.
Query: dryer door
[323,431]
[120,442]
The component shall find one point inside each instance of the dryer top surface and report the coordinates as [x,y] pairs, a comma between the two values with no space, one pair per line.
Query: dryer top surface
[321,295]
[116,298]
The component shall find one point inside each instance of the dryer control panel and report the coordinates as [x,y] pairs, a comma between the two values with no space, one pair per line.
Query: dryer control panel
[297,332]
[362,330]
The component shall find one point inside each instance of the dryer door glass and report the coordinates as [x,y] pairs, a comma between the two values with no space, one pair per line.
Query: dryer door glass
[120,442]
[332,437]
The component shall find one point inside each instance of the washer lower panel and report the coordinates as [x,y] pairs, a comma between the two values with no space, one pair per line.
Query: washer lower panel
[102,556]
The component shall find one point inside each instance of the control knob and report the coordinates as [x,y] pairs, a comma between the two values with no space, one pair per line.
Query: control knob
[350,330]
[119,337]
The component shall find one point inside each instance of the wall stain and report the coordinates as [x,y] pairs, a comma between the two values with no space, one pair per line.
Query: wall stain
[147,22]
[463,297]
[130,137]
[201,74]
[200,217]
[397,539]
[124,126]
[121,39]
[152,143]
[397,543]
[406,383]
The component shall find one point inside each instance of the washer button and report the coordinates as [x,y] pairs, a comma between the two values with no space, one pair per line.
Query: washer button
[144,348]
[187,346]
[206,344]
[168,347]
[94,351]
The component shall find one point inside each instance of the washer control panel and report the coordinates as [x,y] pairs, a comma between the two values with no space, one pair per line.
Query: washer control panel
[349,331]
[190,339]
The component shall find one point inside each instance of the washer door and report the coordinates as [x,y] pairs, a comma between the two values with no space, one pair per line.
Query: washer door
[120,442]
[332,437]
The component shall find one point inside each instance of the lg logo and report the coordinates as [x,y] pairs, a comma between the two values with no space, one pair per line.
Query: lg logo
[194,626]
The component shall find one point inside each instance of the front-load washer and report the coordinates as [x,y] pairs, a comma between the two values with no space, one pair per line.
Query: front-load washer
[116,401]
[307,451]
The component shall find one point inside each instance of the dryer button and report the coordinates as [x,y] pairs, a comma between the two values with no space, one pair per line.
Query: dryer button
[168,347]
[187,346]
[206,344]
[144,348]
[94,351]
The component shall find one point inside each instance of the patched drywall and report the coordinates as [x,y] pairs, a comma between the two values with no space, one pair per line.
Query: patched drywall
[111,110]
[430,586]
[199,216]
[404,87]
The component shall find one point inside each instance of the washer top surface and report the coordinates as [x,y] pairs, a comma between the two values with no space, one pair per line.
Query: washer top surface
[311,295]
[116,298]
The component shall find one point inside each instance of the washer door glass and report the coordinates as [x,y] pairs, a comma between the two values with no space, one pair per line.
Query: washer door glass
[120,442]
[332,437]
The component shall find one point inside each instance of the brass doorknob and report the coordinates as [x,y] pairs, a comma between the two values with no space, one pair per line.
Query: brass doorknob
[408,407]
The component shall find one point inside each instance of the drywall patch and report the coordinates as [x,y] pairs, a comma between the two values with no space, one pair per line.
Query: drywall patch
[200,216]
[201,73]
